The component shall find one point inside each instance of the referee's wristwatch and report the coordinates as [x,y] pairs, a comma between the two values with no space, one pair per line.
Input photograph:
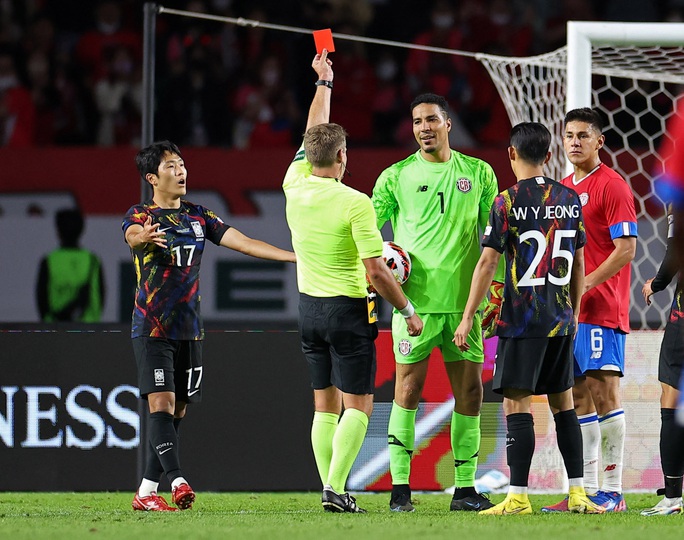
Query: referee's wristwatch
[321,82]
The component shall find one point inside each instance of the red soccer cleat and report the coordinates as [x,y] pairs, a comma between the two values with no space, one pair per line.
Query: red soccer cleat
[151,503]
[183,496]
[558,507]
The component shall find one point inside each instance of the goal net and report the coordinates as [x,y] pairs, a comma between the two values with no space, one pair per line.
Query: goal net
[634,78]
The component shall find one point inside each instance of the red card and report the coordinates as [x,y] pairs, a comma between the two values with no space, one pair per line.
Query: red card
[323,40]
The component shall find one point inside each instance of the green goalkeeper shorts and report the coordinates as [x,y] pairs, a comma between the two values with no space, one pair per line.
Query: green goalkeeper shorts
[438,331]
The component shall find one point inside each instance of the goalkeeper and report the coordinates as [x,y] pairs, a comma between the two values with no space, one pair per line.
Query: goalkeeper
[438,202]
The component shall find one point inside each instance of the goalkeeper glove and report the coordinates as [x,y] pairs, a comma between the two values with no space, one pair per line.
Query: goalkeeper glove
[490,317]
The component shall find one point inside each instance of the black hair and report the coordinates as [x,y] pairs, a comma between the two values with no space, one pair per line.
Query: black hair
[585,114]
[531,141]
[432,99]
[148,159]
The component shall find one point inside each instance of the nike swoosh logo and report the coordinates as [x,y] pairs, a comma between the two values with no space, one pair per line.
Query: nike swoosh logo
[164,451]
[516,511]
[163,230]
[192,393]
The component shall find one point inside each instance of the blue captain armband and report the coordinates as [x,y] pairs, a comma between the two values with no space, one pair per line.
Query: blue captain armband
[622,229]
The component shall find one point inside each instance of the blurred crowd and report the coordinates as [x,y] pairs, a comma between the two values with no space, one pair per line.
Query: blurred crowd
[71,70]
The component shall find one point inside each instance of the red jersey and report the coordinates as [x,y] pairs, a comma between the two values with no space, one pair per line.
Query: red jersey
[608,209]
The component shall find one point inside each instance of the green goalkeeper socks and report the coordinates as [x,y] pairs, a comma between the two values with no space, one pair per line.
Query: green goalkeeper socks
[323,430]
[346,444]
[401,434]
[465,444]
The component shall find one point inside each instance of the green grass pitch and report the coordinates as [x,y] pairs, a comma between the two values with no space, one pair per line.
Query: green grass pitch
[284,516]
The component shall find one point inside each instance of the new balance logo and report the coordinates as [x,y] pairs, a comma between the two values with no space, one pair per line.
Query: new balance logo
[422,188]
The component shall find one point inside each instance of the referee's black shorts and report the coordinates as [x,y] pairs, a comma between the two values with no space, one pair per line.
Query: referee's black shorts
[540,365]
[169,365]
[672,353]
[338,343]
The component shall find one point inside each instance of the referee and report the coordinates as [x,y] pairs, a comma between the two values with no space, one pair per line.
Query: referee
[337,242]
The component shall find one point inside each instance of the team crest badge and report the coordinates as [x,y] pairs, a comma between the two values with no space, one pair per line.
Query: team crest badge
[405,347]
[584,198]
[197,227]
[159,377]
[464,185]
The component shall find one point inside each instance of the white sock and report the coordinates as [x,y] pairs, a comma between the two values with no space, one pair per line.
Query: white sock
[591,440]
[147,487]
[178,481]
[612,427]
[517,490]
[576,482]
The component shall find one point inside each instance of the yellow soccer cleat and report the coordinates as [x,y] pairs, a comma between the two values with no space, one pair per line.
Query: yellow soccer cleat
[512,505]
[580,503]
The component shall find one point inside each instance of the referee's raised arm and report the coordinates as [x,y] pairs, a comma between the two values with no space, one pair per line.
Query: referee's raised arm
[319,112]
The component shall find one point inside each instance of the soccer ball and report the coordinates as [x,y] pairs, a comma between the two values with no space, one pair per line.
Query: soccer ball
[398,261]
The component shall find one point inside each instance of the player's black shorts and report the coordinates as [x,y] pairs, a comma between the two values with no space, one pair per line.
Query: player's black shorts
[540,365]
[338,343]
[169,365]
[672,353]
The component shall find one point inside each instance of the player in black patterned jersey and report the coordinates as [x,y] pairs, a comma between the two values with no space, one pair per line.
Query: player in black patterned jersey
[669,374]
[167,236]
[537,225]
[167,302]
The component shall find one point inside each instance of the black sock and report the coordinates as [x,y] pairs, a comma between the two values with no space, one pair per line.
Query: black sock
[462,493]
[671,441]
[164,441]
[153,467]
[520,447]
[569,437]
[671,446]
[673,487]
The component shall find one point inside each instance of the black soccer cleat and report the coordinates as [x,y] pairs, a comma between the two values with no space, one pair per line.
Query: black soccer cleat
[339,502]
[471,503]
[400,501]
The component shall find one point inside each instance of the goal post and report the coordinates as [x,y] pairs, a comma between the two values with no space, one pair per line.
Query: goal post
[582,36]
[634,74]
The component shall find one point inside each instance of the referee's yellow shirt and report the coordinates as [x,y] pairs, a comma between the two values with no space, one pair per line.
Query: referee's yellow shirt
[333,227]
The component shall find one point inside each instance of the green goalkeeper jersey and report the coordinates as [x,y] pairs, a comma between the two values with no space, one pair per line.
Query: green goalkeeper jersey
[438,212]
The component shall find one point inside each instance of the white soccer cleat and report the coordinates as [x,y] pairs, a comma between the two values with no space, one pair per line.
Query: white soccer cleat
[665,507]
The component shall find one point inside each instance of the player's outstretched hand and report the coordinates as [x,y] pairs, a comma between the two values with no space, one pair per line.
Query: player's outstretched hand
[151,233]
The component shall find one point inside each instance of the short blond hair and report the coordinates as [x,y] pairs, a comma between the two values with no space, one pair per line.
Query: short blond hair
[322,142]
